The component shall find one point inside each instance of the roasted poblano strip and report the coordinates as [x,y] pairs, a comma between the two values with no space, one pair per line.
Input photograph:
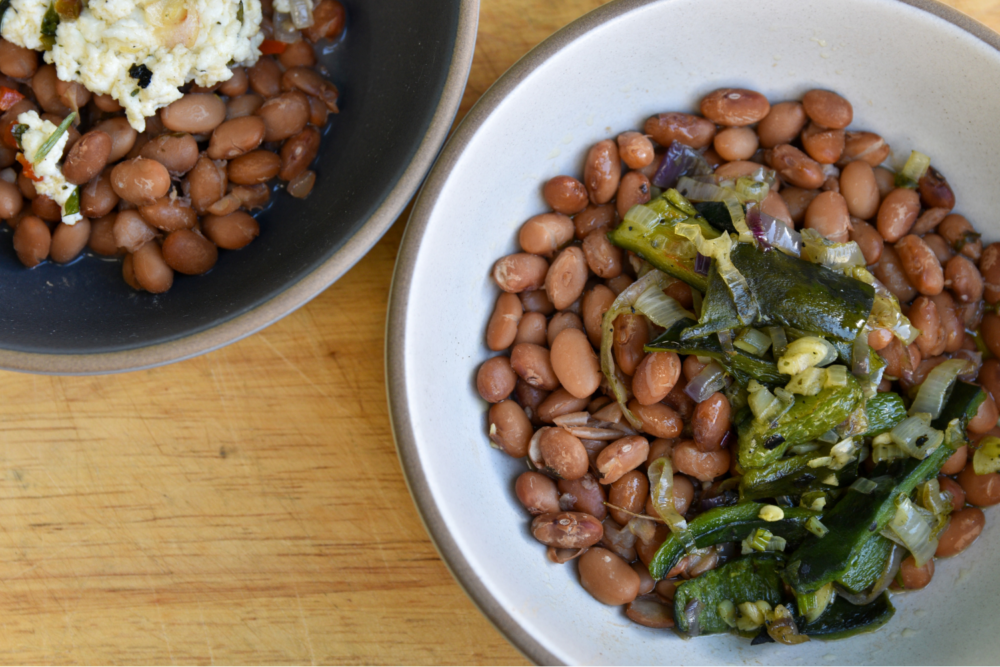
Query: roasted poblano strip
[792,476]
[843,619]
[729,524]
[749,579]
[869,565]
[884,411]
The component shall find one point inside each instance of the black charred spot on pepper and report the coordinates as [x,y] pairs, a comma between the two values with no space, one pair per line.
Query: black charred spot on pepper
[804,480]
[762,638]
[872,528]
[804,569]
[773,441]
[921,441]
[140,73]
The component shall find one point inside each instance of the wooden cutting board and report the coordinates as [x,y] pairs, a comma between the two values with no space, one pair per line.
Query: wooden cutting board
[245,506]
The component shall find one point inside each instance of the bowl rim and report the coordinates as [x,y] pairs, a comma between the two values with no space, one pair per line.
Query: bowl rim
[395,339]
[308,287]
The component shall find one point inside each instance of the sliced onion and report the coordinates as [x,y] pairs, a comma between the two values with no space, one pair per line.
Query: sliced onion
[779,341]
[860,355]
[589,433]
[301,13]
[661,492]
[886,578]
[562,556]
[660,309]
[973,357]
[572,419]
[726,341]
[756,227]
[691,611]
[611,413]
[644,529]
[753,341]
[284,29]
[719,249]
[936,389]
[863,485]
[702,264]
[698,191]
[915,436]
[680,160]
[912,527]
[820,250]
[779,235]
[710,379]
[535,451]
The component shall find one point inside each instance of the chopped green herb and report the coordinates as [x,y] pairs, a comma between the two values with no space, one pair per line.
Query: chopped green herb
[72,205]
[54,138]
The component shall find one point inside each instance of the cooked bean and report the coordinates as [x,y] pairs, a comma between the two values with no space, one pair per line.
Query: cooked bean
[989,265]
[774,206]
[890,272]
[693,131]
[736,143]
[734,107]
[502,328]
[738,169]
[956,491]
[128,273]
[990,332]
[254,167]
[602,171]
[823,144]
[897,214]
[510,430]
[989,377]
[711,422]
[537,301]
[981,490]
[797,201]
[546,233]
[939,247]
[620,283]
[935,191]
[630,336]
[244,105]
[17,62]
[924,316]
[828,109]
[236,137]
[264,78]
[857,184]
[122,137]
[957,231]
[131,231]
[795,167]
[151,271]
[533,364]
[634,188]
[177,152]
[328,21]
[635,149]
[169,214]
[782,124]
[922,268]
[680,292]
[495,379]
[928,221]
[298,54]
[140,181]
[43,84]
[11,200]
[646,586]
[561,321]
[531,329]
[298,153]
[620,457]
[26,186]
[68,241]
[607,577]
[692,366]
[879,338]
[206,183]
[953,331]
[232,231]
[587,496]
[536,492]
[985,418]
[683,495]
[563,453]
[311,83]
[595,303]
[658,420]
[866,146]
[46,208]
[559,403]
[188,252]
[102,236]
[235,85]
[284,116]
[912,577]
[655,376]
[962,531]
[593,218]
[828,215]
[964,278]
[659,448]
[529,398]
[568,530]
[566,278]
[32,241]
[565,195]
[703,466]
[868,239]
[628,492]
[603,257]
[575,363]
[73,95]
[195,113]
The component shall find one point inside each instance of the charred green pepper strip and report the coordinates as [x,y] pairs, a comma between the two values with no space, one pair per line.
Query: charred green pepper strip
[729,524]
[792,476]
[741,365]
[884,411]
[791,292]
[963,404]
[749,579]
[843,619]
[810,417]
[854,520]
[869,565]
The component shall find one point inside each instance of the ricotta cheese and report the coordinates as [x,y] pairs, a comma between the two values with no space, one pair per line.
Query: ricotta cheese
[52,182]
[177,41]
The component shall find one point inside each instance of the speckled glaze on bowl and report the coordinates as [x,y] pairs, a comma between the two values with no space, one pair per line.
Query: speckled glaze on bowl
[401,68]
[919,73]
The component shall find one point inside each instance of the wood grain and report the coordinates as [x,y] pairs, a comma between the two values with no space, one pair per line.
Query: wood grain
[248,505]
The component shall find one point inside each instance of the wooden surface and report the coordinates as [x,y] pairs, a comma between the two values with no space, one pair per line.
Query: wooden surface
[248,505]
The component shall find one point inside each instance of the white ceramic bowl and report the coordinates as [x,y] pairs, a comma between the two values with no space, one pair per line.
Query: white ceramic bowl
[919,73]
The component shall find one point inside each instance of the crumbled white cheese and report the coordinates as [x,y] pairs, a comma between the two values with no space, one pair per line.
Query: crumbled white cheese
[177,40]
[52,182]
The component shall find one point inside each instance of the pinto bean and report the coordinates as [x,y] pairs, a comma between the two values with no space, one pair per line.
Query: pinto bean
[957,231]
[962,531]
[565,195]
[195,113]
[897,214]
[264,78]
[188,252]
[559,403]
[32,241]
[151,271]
[87,158]
[889,271]
[328,21]
[828,109]
[298,54]
[232,231]
[703,466]
[502,327]
[655,377]
[607,577]
[11,200]
[913,577]
[866,146]
[495,379]
[603,257]
[868,239]
[131,231]
[990,331]
[935,191]
[531,329]
[939,247]
[298,152]
[122,136]
[952,328]
[46,208]
[560,322]
[924,316]
[567,530]
[236,137]
[235,85]
[16,61]
[68,241]
[710,422]
[823,144]
[566,278]
[860,190]
[964,278]
[782,124]
[595,303]
[592,219]
[537,301]
[629,493]
[797,201]
[795,167]
[620,457]
[43,84]
[602,171]
[734,107]
[545,234]
[658,419]
[634,188]
[206,183]
[635,149]
[169,214]
[533,364]
[177,152]
[575,363]
[563,453]
[257,166]
[587,496]
[310,82]
[955,489]
[921,266]
[140,181]
[986,417]
[284,116]
[736,143]
[244,105]
[102,236]
[630,336]
[693,131]
[828,215]
[537,493]
[981,490]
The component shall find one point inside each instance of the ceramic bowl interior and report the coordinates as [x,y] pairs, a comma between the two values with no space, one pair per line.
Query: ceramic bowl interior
[400,67]
[922,75]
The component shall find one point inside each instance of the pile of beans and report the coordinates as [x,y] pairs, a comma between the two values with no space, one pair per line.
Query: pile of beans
[167,199]
[545,386]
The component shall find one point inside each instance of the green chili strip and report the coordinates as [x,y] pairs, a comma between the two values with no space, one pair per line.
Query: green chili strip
[54,138]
